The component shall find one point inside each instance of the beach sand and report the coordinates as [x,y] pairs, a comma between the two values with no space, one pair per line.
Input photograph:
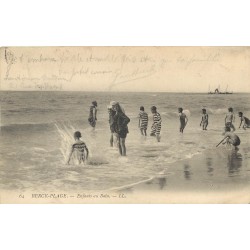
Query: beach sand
[219,175]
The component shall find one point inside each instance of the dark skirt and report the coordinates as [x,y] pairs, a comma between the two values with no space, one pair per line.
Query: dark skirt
[92,121]
[123,133]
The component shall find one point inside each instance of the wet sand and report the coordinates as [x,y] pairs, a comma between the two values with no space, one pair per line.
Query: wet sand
[219,175]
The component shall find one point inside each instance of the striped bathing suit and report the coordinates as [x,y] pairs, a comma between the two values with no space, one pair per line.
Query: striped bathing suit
[156,128]
[143,116]
[80,147]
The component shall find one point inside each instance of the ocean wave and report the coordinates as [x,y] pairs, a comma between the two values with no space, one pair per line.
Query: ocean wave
[29,110]
[26,126]
[175,113]
[43,127]
[219,111]
[41,124]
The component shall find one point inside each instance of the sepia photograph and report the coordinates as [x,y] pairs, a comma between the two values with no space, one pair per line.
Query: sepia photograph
[125,125]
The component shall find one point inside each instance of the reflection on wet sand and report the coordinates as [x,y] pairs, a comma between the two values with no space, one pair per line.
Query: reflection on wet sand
[214,171]
[234,162]
[162,182]
[187,172]
[210,169]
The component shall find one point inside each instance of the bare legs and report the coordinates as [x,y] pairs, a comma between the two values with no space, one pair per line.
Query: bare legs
[204,126]
[143,132]
[111,140]
[158,137]
[121,146]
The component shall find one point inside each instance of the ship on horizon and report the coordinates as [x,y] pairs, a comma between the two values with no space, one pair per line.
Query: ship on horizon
[218,92]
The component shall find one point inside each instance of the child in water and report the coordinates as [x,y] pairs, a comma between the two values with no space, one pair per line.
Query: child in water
[204,119]
[183,119]
[231,138]
[92,114]
[79,147]
[244,120]
[156,127]
[143,121]
[229,119]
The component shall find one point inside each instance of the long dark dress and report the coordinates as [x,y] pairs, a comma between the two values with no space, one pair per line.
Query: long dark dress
[121,124]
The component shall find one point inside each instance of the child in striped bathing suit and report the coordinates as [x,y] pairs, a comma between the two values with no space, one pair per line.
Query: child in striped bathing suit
[156,127]
[143,121]
[80,149]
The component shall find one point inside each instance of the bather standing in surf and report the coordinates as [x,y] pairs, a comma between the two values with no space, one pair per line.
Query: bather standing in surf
[204,119]
[156,126]
[183,119]
[120,127]
[92,114]
[229,119]
[143,121]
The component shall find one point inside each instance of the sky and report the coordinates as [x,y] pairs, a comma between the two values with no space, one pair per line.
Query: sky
[152,69]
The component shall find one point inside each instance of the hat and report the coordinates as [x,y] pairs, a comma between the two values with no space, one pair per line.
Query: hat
[113,103]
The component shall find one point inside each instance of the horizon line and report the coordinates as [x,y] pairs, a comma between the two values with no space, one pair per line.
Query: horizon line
[124,91]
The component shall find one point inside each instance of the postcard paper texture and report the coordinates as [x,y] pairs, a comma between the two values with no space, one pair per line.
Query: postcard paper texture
[125,125]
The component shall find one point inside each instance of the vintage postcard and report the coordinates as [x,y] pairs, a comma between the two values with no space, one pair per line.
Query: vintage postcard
[125,125]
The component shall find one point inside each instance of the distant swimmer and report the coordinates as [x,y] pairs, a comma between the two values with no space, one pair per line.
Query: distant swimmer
[156,127]
[183,119]
[229,119]
[204,119]
[143,121]
[230,138]
[92,114]
[80,149]
[244,120]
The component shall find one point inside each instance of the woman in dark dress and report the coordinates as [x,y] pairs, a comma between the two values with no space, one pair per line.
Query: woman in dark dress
[120,127]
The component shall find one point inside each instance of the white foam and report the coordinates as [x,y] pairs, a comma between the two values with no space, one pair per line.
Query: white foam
[66,135]
[40,149]
[191,155]
[187,112]
[123,159]
[218,111]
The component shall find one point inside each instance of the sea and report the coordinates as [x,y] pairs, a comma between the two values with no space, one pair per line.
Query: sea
[37,133]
